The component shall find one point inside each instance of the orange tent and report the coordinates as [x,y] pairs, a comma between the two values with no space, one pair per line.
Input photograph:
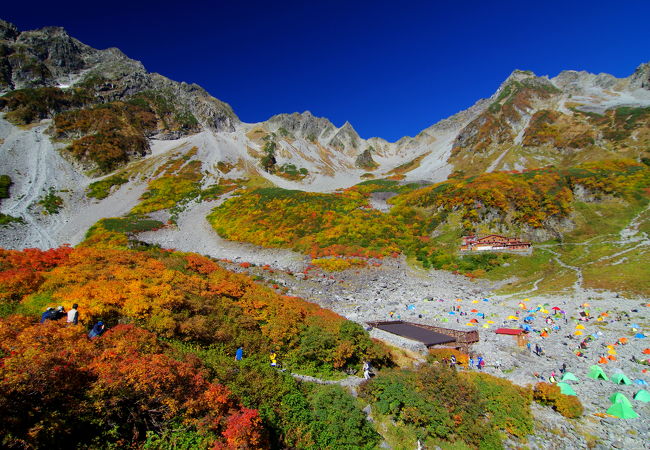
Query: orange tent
[646,351]
[611,358]
[474,321]
[602,360]
[474,310]
[543,334]
[623,340]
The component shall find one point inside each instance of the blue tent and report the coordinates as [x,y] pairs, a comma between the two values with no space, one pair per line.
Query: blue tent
[639,335]
[529,318]
[526,327]
[451,313]
[640,382]
[486,300]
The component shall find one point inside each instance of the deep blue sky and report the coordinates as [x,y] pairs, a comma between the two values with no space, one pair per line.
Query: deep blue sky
[390,68]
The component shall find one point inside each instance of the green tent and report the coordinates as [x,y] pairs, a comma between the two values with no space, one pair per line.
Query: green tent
[620,398]
[622,411]
[596,372]
[642,396]
[620,378]
[569,377]
[567,389]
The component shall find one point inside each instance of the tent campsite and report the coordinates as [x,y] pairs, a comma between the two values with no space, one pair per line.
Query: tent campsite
[596,372]
[620,378]
[569,377]
[567,389]
[642,396]
[620,398]
[622,411]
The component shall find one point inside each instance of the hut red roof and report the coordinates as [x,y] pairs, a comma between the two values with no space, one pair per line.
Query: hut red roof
[510,331]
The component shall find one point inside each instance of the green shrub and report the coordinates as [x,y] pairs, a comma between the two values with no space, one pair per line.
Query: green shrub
[51,202]
[6,219]
[435,399]
[5,184]
[102,188]
[338,422]
[507,403]
[129,224]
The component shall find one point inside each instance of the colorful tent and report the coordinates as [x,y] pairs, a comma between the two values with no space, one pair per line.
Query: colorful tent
[568,376]
[642,396]
[639,335]
[620,378]
[580,327]
[646,351]
[566,389]
[622,411]
[596,372]
[641,382]
[619,398]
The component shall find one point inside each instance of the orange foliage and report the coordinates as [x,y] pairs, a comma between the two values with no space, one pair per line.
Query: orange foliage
[52,378]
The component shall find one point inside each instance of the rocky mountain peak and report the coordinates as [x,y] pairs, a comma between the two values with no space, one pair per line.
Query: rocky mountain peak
[578,82]
[640,79]
[304,125]
[8,31]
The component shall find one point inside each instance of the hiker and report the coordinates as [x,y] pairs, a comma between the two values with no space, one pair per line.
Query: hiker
[274,359]
[481,363]
[48,314]
[563,368]
[59,313]
[97,330]
[239,354]
[452,359]
[471,362]
[391,314]
[528,346]
[538,349]
[73,315]
[366,370]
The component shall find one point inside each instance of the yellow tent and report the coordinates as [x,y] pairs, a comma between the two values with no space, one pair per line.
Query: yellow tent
[469,324]
[580,327]
[611,352]
[526,299]
[474,301]
[545,311]
[513,318]
[485,325]
[578,333]
[490,321]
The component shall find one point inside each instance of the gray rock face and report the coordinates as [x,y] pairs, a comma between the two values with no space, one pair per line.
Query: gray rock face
[573,82]
[304,125]
[345,137]
[365,161]
[50,57]
[640,79]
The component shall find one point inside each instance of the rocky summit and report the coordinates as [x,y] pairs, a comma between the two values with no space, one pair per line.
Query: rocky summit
[204,244]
